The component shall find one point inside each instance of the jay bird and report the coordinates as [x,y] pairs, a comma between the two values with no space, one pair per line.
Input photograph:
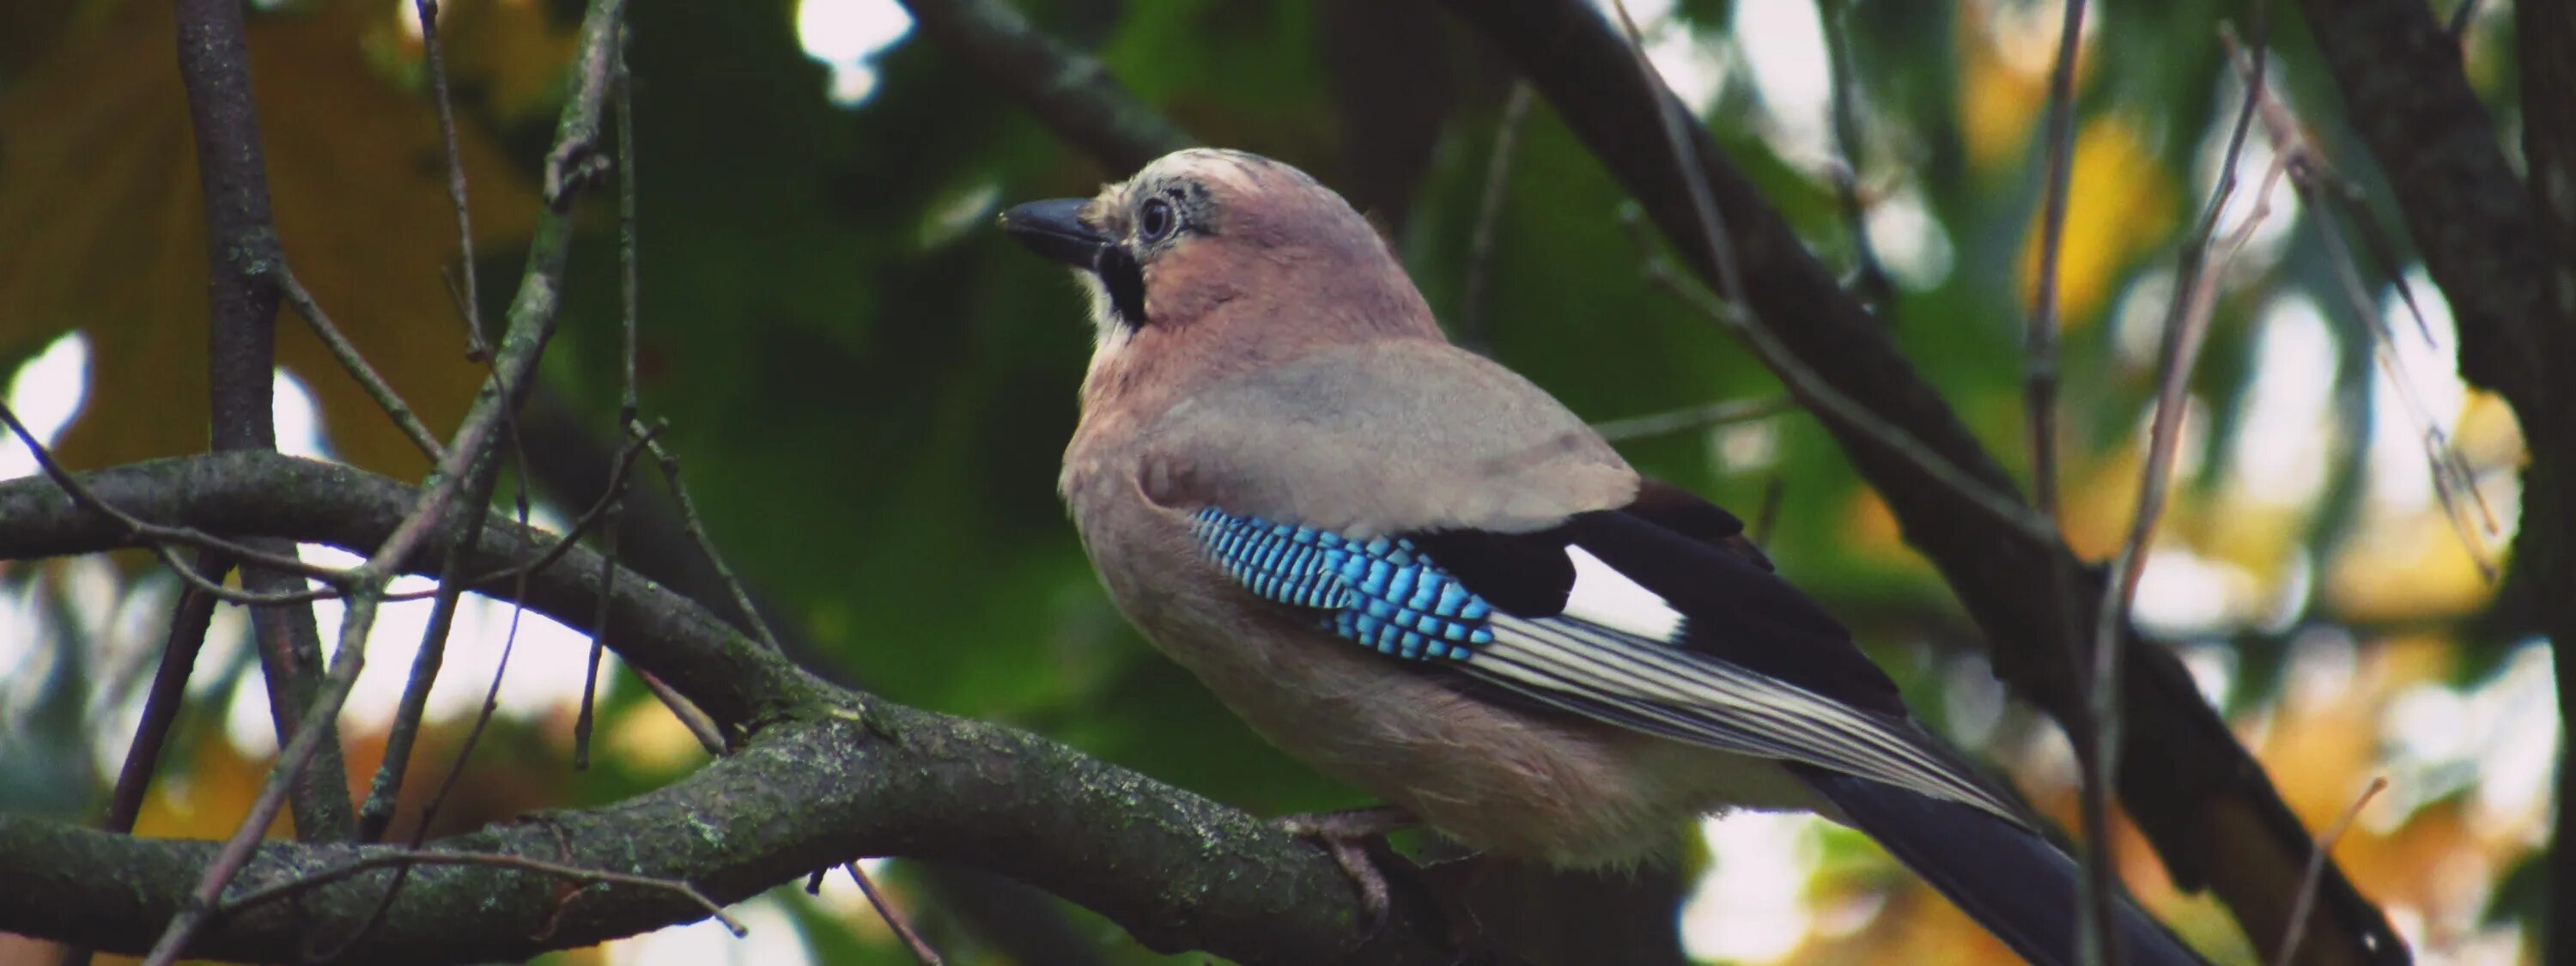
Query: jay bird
[1422,575]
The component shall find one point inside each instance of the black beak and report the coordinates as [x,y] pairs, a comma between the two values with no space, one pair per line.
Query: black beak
[1054,228]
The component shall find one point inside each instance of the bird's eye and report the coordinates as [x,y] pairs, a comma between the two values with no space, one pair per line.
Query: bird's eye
[1155,220]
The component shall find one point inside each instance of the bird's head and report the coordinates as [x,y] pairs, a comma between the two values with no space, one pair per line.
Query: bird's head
[1223,259]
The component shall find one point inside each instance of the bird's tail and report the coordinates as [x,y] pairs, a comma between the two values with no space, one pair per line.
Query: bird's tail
[2008,879]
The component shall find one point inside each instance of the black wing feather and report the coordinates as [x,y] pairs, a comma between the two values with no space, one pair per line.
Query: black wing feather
[1737,610]
[1684,549]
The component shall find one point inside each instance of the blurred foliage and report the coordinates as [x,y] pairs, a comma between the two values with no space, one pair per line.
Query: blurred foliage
[871,388]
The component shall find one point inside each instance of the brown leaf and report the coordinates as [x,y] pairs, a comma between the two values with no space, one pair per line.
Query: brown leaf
[101,229]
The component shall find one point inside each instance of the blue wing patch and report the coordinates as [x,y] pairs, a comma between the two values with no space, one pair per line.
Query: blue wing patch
[1383,593]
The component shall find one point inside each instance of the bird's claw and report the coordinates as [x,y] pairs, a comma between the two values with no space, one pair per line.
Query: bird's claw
[1349,836]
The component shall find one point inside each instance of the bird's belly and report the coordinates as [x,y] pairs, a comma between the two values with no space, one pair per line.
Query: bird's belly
[1542,786]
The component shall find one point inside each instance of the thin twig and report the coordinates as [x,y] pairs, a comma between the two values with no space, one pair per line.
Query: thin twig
[630,295]
[298,752]
[189,622]
[2322,191]
[2195,250]
[2454,481]
[160,538]
[532,321]
[492,693]
[706,546]
[2186,324]
[464,750]
[701,725]
[2095,912]
[2317,869]
[475,348]
[584,721]
[350,359]
[2039,343]
[598,645]
[1735,313]
[420,831]
[384,793]
[629,275]
[404,858]
[1869,277]
[1811,390]
[600,515]
[1721,247]
[1690,418]
[2195,293]
[200,583]
[1471,326]
[188,625]
[2180,354]
[612,500]
[2348,197]
[920,950]
[597,516]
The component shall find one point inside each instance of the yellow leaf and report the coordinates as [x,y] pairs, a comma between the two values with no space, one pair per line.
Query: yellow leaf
[2006,51]
[206,798]
[1871,526]
[2411,567]
[649,738]
[1998,99]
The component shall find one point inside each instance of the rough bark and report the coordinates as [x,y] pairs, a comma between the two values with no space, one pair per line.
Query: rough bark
[825,774]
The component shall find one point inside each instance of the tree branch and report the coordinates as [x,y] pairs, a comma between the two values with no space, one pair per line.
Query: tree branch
[2547,36]
[2472,222]
[818,781]
[646,535]
[1179,871]
[2505,256]
[2203,801]
[244,262]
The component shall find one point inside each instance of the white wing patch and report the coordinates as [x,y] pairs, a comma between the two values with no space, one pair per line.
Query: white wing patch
[1603,596]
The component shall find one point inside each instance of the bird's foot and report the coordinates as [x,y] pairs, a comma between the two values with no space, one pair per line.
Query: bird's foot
[1349,836]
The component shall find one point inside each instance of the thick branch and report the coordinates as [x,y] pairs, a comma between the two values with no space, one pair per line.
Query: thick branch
[326,503]
[244,263]
[2547,549]
[1178,870]
[821,780]
[2505,257]
[2472,222]
[241,241]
